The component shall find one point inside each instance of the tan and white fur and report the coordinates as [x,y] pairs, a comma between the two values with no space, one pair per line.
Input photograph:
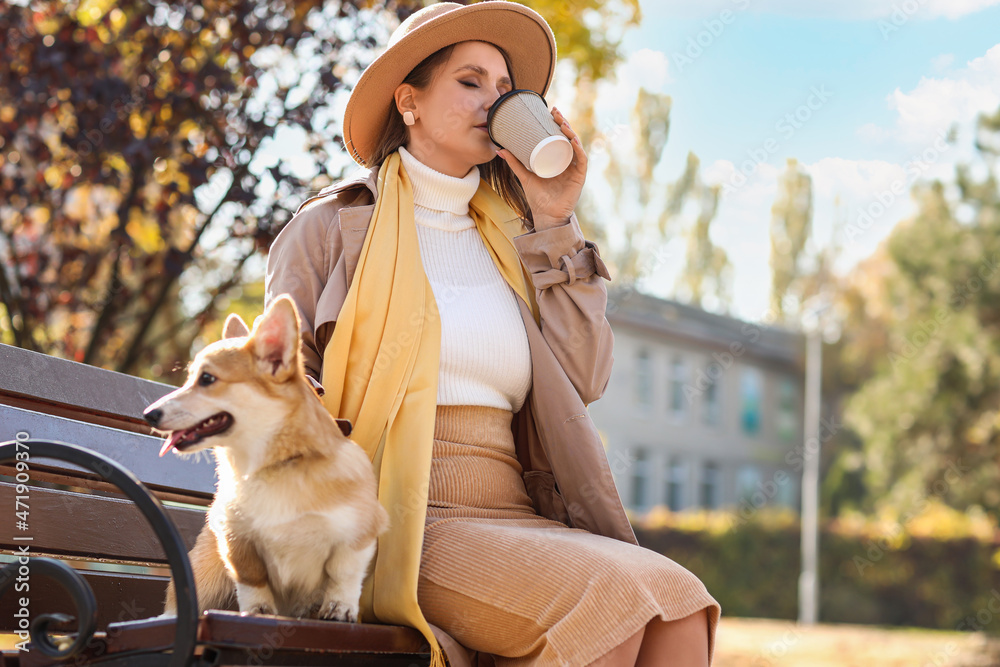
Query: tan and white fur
[294,522]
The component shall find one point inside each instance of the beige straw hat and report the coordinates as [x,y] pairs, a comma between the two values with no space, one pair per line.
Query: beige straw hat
[515,29]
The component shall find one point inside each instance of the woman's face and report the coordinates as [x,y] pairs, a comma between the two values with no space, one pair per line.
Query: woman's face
[450,133]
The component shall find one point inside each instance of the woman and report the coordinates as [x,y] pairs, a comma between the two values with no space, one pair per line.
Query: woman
[454,313]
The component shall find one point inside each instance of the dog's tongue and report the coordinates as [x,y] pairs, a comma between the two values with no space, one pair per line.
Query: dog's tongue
[171,442]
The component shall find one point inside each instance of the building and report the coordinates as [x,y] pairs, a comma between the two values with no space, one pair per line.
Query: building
[702,410]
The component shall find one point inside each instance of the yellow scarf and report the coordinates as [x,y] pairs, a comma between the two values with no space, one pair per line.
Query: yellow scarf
[380,370]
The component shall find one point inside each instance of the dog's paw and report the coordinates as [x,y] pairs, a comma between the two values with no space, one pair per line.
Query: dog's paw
[259,609]
[335,610]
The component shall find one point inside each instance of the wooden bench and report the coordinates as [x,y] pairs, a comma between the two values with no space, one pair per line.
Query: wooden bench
[74,514]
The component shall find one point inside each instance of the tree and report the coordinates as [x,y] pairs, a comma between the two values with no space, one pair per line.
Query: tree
[707,269]
[138,195]
[589,32]
[791,225]
[644,211]
[929,414]
[131,130]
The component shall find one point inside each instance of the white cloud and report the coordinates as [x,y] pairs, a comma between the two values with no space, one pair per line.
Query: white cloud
[856,203]
[615,98]
[942,62]
[937,103]
[836,9]
[842,191]
[741,228]
[954,9]
[645,68]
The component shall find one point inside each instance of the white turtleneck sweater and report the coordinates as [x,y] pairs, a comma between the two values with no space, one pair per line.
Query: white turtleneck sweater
[485,358]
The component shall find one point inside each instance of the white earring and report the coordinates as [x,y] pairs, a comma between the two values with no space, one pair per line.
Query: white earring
[408,118]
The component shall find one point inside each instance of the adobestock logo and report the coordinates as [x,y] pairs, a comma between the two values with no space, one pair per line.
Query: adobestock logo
[883,201]
[713,29]
[900,16]
[786,126]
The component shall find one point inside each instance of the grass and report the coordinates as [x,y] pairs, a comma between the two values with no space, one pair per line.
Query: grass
[744,642]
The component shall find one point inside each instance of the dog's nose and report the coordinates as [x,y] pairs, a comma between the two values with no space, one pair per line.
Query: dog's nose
[153,416]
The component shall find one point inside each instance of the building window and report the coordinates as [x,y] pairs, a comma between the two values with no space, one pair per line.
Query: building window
[751,390]
[786,492]
[643,379]
[710,485]
[678,380]
[747,483]
[676,477]
[713,403]
[640,478]
[786,421]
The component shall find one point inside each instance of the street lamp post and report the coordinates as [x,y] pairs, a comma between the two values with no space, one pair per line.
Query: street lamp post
[809,575]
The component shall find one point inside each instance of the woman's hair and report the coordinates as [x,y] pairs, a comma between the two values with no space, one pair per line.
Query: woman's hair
[495,172]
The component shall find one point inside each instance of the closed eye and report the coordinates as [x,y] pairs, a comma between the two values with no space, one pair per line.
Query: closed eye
[469,84]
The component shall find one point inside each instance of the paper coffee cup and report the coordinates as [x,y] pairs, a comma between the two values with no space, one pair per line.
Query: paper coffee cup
[520,122]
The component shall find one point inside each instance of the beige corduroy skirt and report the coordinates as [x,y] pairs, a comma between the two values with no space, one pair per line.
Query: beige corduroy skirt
[502,580]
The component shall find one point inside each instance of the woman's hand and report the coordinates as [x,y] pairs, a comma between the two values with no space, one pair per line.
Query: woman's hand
[552,200]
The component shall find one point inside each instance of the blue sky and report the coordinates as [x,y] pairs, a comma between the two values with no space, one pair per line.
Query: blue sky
[886,77]
[764,64]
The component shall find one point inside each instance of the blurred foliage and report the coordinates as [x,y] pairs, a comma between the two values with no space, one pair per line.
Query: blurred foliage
[791,226]
[934,568]
[138,195]
[643,209]
[922,344]
[129,130]
[589,32]
[645,212]
[707,269]
[796,274]
[802,282]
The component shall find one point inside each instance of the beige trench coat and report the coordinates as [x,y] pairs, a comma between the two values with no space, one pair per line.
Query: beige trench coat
[566,471]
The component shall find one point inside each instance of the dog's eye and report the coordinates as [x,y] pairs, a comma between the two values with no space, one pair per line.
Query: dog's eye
[205,379]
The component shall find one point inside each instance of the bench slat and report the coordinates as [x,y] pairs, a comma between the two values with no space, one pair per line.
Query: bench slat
[230,656]
[226,628]
[84,392]
[138,453]
[43,473]
[270,640]
[90,526]
[120,597]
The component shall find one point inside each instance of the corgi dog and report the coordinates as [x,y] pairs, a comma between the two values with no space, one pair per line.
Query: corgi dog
[294,523]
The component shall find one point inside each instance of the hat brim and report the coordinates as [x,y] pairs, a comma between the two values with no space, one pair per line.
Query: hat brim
[517,30]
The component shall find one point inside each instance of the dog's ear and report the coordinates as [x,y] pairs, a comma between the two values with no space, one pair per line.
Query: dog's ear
[275,340]
[235,327]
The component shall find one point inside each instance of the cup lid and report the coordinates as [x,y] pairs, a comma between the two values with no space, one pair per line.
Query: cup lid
[551,156]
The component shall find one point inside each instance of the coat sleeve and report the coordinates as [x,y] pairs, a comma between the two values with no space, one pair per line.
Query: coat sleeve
[568,276]
[301,263]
